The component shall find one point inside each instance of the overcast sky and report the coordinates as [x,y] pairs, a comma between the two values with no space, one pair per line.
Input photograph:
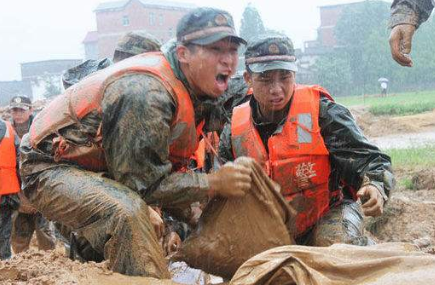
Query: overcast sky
[33,30]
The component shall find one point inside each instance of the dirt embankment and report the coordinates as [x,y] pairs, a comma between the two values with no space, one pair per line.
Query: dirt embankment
[409,214]
[378,126]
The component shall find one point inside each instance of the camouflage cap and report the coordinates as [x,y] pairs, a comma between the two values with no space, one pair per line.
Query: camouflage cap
[135,43]
[20,102]
[270,53]
[204,26]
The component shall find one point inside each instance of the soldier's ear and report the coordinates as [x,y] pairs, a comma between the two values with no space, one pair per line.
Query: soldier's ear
[248,78]
[183,54]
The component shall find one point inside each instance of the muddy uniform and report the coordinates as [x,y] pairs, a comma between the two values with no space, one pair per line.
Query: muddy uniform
[26,223]
[351,157]
[8,203]
[413,12]
[106,210]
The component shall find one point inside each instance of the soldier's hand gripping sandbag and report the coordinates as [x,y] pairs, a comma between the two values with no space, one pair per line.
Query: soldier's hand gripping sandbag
[231,180]
[230,231]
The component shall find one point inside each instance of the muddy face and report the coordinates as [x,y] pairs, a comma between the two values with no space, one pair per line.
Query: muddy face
[209,68]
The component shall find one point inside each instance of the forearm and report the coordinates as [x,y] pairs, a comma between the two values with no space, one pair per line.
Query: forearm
[352,155]
[178,190]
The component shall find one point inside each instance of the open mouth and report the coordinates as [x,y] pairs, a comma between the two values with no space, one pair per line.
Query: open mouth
[222,81]
[222,78]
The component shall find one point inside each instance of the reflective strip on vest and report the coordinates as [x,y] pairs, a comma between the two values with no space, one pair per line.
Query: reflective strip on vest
[304,135]
[9,183]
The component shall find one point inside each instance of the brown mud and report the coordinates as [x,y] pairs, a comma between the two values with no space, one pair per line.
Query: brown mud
[378,126]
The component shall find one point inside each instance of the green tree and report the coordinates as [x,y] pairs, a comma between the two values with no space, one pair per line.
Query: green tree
[251,24]
[361,33]
[52,86]
[333,72]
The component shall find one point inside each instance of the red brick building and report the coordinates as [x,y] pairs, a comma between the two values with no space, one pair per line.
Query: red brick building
[157,17]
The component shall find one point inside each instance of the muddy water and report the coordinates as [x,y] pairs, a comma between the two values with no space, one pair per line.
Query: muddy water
[405,140]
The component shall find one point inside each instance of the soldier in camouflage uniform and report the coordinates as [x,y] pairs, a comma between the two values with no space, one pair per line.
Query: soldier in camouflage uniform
[309,145]
[120,140]
[406,17]
[131,44]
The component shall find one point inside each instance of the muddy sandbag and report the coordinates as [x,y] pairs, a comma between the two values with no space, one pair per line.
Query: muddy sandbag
[230,231]
[339,264]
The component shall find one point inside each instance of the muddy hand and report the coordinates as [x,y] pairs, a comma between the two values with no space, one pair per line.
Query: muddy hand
[401,42]
[231,180]
[157,222]
[172,243]
[372,201]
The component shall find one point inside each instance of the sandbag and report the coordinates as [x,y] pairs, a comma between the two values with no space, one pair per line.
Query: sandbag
[339,264]
[230,231]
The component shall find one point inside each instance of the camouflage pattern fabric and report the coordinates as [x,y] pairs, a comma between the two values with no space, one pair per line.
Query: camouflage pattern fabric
[413,12]
[135,43]
[24,225]
[77,73]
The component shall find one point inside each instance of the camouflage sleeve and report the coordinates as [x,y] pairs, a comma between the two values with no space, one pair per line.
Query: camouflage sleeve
[413,12]
[353,158]
[137,113]
[225,149]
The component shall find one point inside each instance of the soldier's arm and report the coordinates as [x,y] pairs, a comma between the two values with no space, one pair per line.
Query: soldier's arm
[137,113]
[351,153]
[225,151]
[412,12]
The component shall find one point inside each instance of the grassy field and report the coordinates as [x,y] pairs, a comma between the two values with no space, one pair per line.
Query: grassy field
[394,104]
[413,157]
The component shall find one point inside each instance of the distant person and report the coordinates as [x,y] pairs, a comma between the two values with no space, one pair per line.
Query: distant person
[131,44]
[9,185]
[28,220]
[384,86]
[22,114]
[406,17]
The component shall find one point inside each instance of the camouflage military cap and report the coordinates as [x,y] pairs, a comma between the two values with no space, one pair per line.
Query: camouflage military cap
[204,26]
[270,53]
[135,43]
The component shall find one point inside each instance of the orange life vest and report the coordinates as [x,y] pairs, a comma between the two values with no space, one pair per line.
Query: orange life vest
[86,97]
[297,159]
[207,145]
[9,183]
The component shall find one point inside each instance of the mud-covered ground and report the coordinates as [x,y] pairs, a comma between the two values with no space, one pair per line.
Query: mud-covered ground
[409,214]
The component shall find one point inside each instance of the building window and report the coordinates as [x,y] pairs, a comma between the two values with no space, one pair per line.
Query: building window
[170,33]
[125,21]
[161,19]
[152,19]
